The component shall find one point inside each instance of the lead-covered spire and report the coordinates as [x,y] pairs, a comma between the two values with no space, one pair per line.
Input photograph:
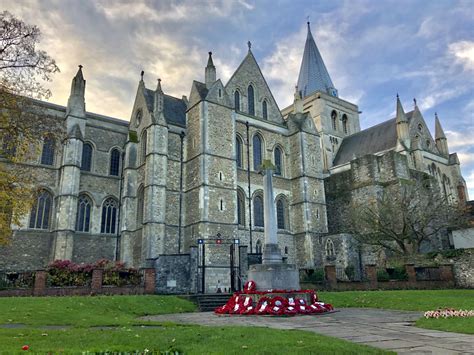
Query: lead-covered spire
[313,73]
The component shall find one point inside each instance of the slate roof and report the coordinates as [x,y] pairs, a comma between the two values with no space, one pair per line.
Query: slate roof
[313,73]
[372,140]
[174,109]
[201,89]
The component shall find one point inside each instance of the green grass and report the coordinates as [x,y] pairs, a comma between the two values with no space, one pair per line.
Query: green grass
[188,339]
[457,325]
[85,316]
[87,311]
[407,300]
[412,300]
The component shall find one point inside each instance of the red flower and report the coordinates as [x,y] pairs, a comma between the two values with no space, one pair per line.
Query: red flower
[250,286]
[25,347]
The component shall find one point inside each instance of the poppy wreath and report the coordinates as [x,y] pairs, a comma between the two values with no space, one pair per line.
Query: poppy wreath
[290,310]
[291,301]
[278,305]
[262,306]
[250,286]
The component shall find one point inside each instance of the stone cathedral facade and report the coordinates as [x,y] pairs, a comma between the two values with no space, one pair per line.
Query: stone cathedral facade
[187,169]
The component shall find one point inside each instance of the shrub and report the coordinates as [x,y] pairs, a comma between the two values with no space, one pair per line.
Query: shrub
[350,272]
[67,273]
[399,273]
[316,275]
[382,275]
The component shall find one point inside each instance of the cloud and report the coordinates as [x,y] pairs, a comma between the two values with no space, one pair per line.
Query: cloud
[463,52]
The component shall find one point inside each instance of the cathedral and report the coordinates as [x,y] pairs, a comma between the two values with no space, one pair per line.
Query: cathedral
[184,171]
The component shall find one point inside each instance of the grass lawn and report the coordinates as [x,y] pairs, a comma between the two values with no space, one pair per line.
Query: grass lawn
[412,300]
[99,324]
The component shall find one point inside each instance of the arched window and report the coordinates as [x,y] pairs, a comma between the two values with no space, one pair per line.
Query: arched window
[240,208]
[83,217]
[286,250]
[140,205]
[237,100]
[115,162]
[258,247]
[264,109]
[86,157]
[334,120]
[41,211]
[329,248]
[143,147]
[109,216]
[280,209]
[239,151]
[251,100]
[47,155]
[258,211]
[277,159]
[257,152]
[344,124]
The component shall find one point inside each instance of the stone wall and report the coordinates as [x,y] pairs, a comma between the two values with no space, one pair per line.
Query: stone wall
[173,274]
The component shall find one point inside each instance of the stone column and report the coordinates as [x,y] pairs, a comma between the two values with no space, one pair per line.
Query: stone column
[271,251]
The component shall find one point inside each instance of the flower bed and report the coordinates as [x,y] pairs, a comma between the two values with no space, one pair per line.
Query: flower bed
[273,302]
[449,313]
[66,273]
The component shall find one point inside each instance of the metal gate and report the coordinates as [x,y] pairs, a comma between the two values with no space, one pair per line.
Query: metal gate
[218,265]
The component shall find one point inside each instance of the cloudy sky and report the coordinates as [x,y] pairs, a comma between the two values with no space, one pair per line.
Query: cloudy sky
[373,49]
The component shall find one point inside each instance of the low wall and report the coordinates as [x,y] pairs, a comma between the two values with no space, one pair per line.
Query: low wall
[446,280]
[96,288]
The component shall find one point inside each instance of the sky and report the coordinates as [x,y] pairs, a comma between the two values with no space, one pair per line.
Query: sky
[373,50]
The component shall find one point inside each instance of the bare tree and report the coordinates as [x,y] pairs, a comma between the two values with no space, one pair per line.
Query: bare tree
[401,219]
[23,123]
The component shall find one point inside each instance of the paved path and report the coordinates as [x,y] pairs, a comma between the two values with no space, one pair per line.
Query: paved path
[391,330]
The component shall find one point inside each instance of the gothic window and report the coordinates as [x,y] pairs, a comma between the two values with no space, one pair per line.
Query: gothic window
[257,151]
[239,151]
[109,216]
[86,157]
[143,147]
[41,211]
[264,109]
[420,127]
[428,143]
[115,162]
[83,217]
[258,211]
[278,161]
[251,100]
[240,208]
[286,250]
[258,247]
[281,214]
[334,120]
[329,248]
[344,124]
[140,205]
[237,100]
[47,155]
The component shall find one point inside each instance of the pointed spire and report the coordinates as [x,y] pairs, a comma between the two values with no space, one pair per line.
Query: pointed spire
[159,99]
[158,87]
[141,75]
[402,125]
[439,133]
[76,105]
[313,74]
[210,72]
[401,117]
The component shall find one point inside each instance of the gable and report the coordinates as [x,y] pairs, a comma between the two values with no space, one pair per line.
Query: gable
[419,131]
[249,73]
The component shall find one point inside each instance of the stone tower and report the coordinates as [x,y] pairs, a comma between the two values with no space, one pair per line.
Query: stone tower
[334,117]
[70,169]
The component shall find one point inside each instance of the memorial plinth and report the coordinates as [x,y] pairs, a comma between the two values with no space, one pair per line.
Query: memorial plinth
[272,274]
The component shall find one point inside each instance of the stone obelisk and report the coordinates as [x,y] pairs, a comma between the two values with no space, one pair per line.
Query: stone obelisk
[272,273]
